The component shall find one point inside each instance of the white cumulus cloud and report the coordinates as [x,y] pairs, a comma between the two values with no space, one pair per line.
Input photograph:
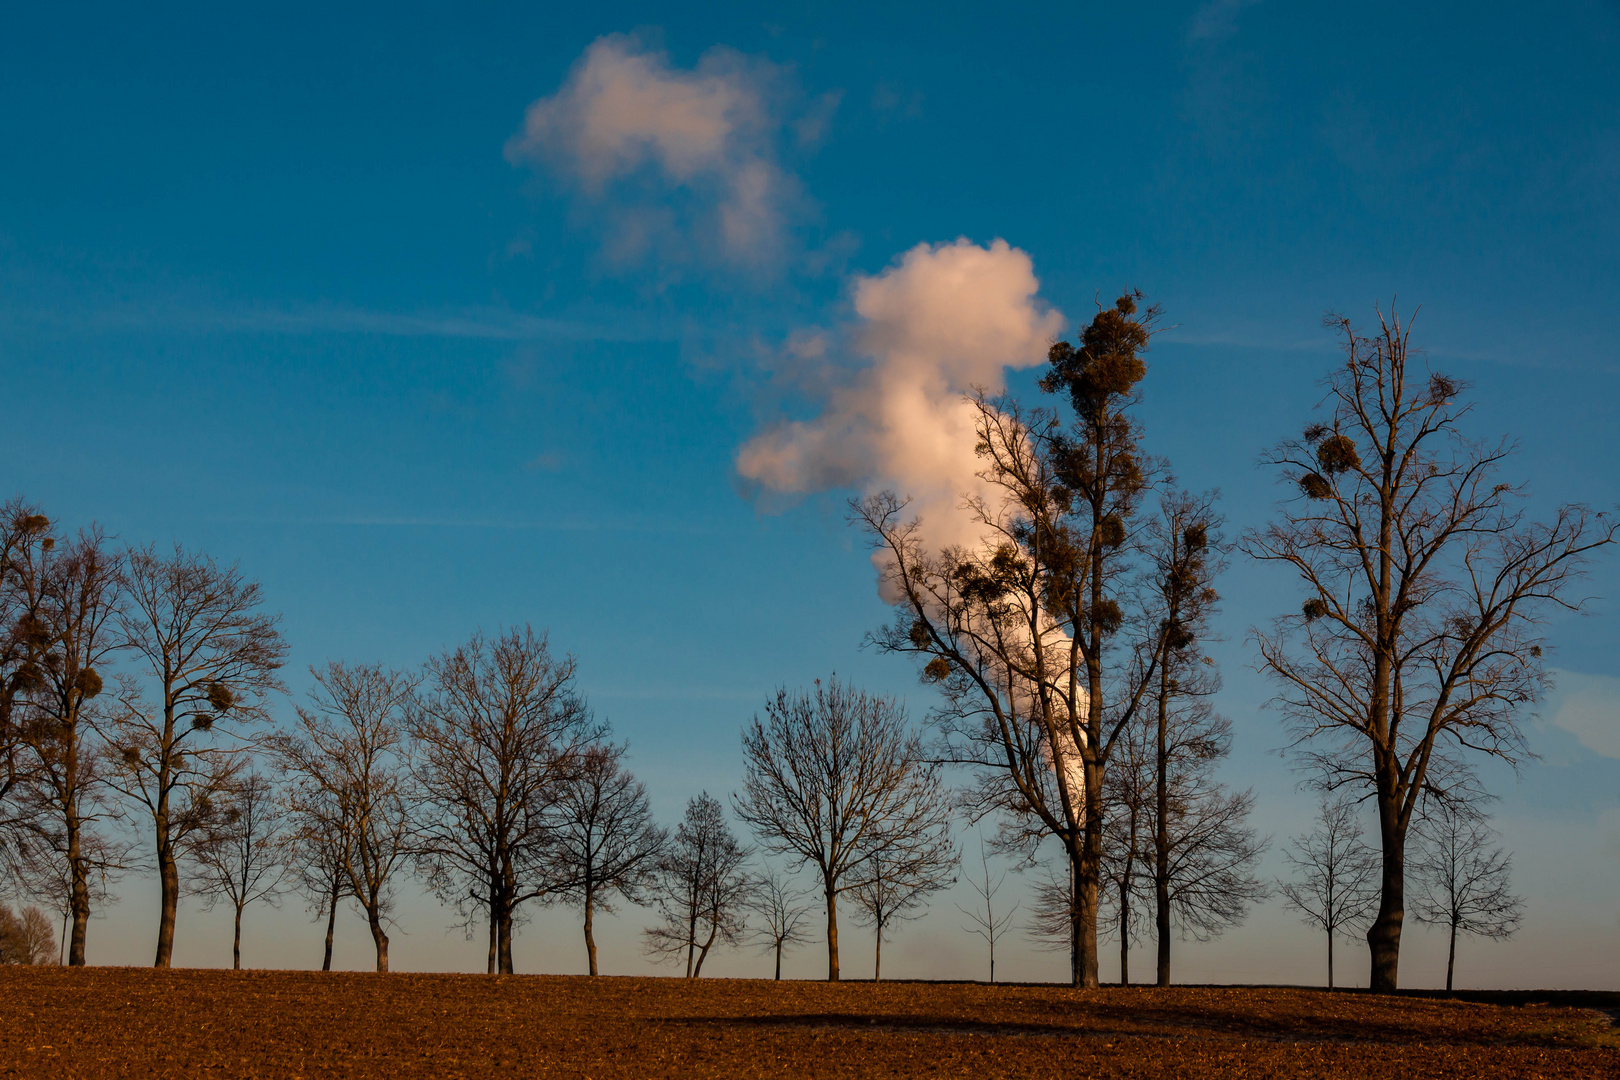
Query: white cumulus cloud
[942,320]
[678,158]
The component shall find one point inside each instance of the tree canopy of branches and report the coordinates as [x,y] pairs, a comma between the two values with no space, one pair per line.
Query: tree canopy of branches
[26,540]
[241,858]
[1425,580]
[603,840]
[210,658]
[838,780]
[499,728]
[1336,883]
[350,781]
[1462,878]
[26,937]
[1041,635]
[782,911]
[702,889]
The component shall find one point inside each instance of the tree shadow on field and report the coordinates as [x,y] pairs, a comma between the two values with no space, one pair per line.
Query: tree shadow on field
[1352,1021]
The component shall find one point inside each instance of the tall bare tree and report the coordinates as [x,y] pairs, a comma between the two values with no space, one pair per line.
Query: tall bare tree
[782,910]
[895,888]
[1417,643]
[242,858]
[317,855]
[1041,635]
[1336,887]
[26,540]
[80,603]
[1202,852]
[1462,877]
[500,727]
[987,922]
[349,771]
[702,888]
[209,657]
[603,841]
[837,779]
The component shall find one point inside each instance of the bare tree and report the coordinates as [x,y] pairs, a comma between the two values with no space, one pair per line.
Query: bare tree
[242,857]
[702,890]
[895,888]
[349,769]
[1051,912]
[499,729]
[603,841]
[79,605]
[838,780]
[210,658]
[1127,852]
[1202,852]
[782,910]
[26,937]
[1461,878]
[26,541]
[987,923]
[317,853]
[1336,888]
[1425,584]
[1041,635]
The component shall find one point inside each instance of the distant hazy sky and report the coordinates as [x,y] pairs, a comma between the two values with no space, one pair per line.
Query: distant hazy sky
[445,317]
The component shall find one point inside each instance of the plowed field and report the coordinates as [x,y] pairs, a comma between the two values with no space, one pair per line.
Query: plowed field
[122,1022]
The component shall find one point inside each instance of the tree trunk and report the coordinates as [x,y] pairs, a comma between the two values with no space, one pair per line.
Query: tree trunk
[778,959]
[1124,933]
[79,892]
[1384,936]
[877,956]
[691,941]
[590,942]
[236,942]
[1451,957]
[506,942]
[702,953]
[379,936]
[331,926]
[1090,870]
[494,939]
[1074,916]
[1161,839]
[169,879]
[1330,959]
[832,936]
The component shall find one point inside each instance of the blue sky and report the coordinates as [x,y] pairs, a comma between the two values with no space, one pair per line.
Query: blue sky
[294,286]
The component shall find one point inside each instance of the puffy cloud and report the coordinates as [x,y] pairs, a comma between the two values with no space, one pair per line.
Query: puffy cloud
[942,320]
[1589,709]
[626,119]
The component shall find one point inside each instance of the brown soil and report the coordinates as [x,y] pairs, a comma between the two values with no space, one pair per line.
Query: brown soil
[125,1022]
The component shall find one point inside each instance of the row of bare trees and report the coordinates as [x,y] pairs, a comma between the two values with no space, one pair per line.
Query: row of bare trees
[1067,642]
[1460,876]
[131,686]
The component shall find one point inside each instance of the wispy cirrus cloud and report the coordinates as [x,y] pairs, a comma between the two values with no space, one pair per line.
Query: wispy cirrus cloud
[1216,20]
[680,163]
[1588,707]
